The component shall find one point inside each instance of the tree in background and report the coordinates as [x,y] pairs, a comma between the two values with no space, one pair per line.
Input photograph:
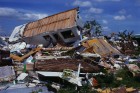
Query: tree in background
[126,40]
[94,28]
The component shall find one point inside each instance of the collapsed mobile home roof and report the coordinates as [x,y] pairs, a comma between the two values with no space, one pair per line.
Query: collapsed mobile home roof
[51,23]
[99,46]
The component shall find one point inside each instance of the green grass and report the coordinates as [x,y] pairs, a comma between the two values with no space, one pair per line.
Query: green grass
[127,79]
[110,80]
[83,89]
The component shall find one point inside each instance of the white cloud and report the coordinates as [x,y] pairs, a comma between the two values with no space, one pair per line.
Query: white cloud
[106,28]
[20,14]
[34,16]
[120,17]
[123,11]
[7,11]
[82,3]
[105,21]
[95,10]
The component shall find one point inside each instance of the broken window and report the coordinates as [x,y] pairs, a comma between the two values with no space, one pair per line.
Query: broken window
[47,38]
[68,34]
[56,36]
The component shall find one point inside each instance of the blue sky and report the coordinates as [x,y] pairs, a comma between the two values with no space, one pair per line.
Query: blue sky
[113,15]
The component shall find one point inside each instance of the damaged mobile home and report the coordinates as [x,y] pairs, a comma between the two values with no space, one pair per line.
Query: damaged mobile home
[64,26]
[57,51]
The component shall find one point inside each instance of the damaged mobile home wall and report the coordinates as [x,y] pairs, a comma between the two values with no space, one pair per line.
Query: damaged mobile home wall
[64,27]
[17,33]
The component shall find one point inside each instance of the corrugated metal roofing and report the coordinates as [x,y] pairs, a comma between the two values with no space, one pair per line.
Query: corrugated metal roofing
[52,23]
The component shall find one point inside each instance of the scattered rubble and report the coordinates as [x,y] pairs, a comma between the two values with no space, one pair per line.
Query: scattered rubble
[59,52]
[7,73]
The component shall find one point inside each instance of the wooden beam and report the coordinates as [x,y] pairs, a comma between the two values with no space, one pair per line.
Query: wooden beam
[20,59]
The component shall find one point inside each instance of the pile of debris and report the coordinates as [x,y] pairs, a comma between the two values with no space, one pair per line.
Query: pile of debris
[54,49]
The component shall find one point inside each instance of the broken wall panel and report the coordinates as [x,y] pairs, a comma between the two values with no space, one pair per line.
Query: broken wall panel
[58,65]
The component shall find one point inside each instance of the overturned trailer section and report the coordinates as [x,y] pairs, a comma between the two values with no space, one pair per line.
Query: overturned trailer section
[64,27]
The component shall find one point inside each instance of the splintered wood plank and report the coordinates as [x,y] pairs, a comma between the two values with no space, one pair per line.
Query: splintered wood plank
[20,59]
